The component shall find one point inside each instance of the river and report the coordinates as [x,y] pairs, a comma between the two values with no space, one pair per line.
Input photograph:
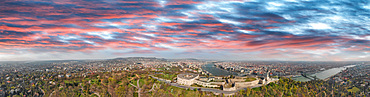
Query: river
[324,74]
[211,68]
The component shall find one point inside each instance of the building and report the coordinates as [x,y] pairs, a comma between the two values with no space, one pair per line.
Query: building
[266,80]
[207,84]
[187,78]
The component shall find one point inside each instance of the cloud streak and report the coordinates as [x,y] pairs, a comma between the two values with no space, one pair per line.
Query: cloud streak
[283,28]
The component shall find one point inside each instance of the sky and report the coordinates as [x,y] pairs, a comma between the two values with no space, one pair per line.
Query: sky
[285,30]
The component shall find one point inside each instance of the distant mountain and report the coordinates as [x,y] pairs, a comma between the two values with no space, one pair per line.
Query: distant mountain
[185,59]
[140,59]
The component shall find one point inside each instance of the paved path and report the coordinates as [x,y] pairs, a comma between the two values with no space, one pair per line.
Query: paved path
[154,85]
[43,92]
[96,93]
[54,91]
[137,87]
[51,93]
[152,88]
[91,90]
[133,85]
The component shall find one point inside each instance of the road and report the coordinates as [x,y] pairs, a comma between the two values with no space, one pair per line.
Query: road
[202,89]
[163,80]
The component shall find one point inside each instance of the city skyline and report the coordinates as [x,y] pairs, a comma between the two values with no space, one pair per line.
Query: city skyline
[284,30]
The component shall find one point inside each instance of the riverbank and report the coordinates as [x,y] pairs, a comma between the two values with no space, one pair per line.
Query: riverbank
[324,75]
[212,69]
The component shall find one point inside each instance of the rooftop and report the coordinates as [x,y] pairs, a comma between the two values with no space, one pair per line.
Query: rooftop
[187,75]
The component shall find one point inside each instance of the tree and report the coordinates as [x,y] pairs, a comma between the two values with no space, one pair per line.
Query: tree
[121,91]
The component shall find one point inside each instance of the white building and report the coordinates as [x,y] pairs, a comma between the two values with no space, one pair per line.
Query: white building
[206,84]
[187,78]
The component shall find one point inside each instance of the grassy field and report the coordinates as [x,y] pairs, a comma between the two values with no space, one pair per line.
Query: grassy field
[166,76]
[354,90]
[250,79]
[196,85]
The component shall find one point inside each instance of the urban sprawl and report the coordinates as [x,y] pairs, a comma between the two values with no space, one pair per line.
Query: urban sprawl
[149,76]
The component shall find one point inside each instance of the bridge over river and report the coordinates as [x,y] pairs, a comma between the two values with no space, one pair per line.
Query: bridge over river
[321,75]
